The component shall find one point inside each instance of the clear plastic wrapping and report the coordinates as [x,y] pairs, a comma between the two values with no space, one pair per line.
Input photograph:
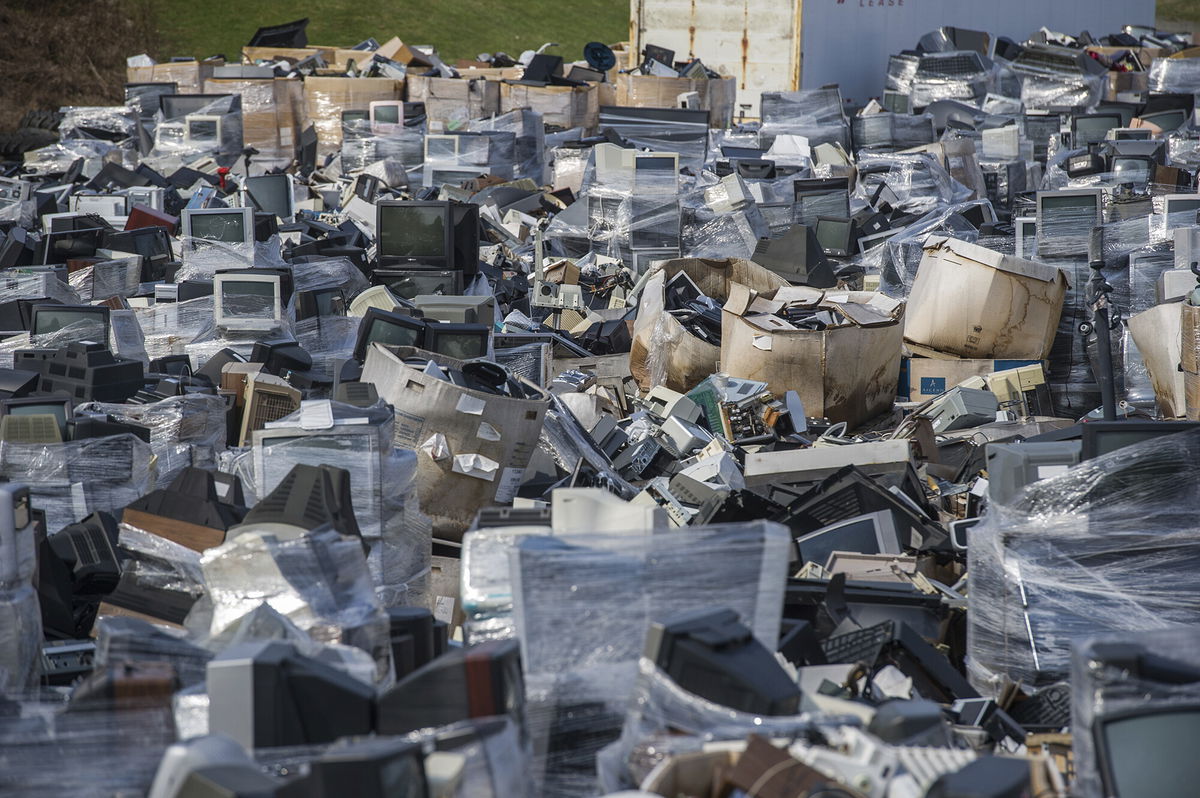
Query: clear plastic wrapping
[530,140]
[214,131]
[89,122]
[1175,75]
[1111,545]
[20,612]
[583,605]
[120,639]
[318,581]
[915,183]
[185,430]
[167,327]
[73,480]
[899,257]
[815,114]
[382,485]
[364,144]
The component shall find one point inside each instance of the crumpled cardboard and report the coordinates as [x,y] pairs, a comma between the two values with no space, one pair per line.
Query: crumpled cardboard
[973,302]
[663,351]
[472,447]
[847,373]
[1157,332]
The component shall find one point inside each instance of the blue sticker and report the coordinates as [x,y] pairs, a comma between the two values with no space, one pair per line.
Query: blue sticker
[931,386]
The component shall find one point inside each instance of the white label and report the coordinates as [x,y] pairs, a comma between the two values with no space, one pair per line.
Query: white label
[487,432]
[510,481]
[79,503]
[471,405]
[762,342]
[443,609]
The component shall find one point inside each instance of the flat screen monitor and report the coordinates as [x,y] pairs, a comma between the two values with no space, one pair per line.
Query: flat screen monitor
[460,341]
[390,329]
[226,225]
[1089,129]
[1102,437]
[1148,753]
[273,194]
[92,320]
[873,533]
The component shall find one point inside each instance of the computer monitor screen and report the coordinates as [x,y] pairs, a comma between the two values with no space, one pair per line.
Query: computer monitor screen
[1101,438]
[52,318]
[1093,128]
[387,114]
[460,341]
[1150,753]
[390,329]
[412,231]
[1181,210]
[330,303]
[272,193]
[229,228]
[834,236]
[248,298]
[1132,170]
[1167,121]
[203,129]
[873,533]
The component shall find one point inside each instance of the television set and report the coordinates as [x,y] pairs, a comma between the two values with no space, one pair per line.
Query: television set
[871,533]
[225,225]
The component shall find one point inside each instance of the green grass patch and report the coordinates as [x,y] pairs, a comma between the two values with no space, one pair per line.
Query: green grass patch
[458,28]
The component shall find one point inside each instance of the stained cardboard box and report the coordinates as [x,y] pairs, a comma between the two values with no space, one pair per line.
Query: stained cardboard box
[455,101]
[718,96]
[1158,334]
[973,302]
[923,378]
[326,98]
[188,76]
[1189,358]
[472,447]
[564,106]
[663,351]
[847,373]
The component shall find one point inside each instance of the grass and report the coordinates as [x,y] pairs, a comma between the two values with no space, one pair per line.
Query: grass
[1178,10]
[458,28]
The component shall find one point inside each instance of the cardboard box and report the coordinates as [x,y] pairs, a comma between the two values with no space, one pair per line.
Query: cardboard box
[923,378]
[1158,334]
[663,351]
[564,106]
[846,373]
[335,57]
[647,91]
[472,447]
[188,76]
[1189,358]
[326,98]
[974,302]
[454,102]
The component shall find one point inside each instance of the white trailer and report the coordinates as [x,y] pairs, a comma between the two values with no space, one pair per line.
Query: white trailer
[780,45]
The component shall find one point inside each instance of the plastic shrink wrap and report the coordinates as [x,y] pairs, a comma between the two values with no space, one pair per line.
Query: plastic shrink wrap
[1111,545]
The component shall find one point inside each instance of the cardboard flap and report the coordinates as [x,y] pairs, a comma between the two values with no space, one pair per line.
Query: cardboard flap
[862,315]
[799,295]
[940,246]
[740,299]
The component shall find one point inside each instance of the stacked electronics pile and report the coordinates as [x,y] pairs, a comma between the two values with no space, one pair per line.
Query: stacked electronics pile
[841,453]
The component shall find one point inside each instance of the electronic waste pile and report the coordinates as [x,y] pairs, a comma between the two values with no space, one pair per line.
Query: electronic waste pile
[376,426]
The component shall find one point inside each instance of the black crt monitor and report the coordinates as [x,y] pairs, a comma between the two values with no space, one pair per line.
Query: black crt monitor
[144,96]
[57,406]
[266,694]
[1167,121]
[1101,437]
[355,115]
[427,234]
[834,235]
[410,283]
[481,681]
[320,302]
[1148,752]
[1089,129]
[1135,169]
[710,653]
[391,329]
[273,194]
[1127,111]
[816,197]
[460,341]
[366,768]
[873,533]
[92,320]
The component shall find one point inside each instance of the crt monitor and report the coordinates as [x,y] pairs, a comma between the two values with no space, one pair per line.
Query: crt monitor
[273,194]
[459,341]
[244,299]
[92,320]
[834,236]
[872,533]
[821,197]
[415,232]
[710,653]
[1148,752]
[320,302]
[1167,121]
[1136,169]
[390,329]
[1101,437]
[1181,209]
[1089,129]
[481,681]
[57,406]
[1066,218]
[226,225]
